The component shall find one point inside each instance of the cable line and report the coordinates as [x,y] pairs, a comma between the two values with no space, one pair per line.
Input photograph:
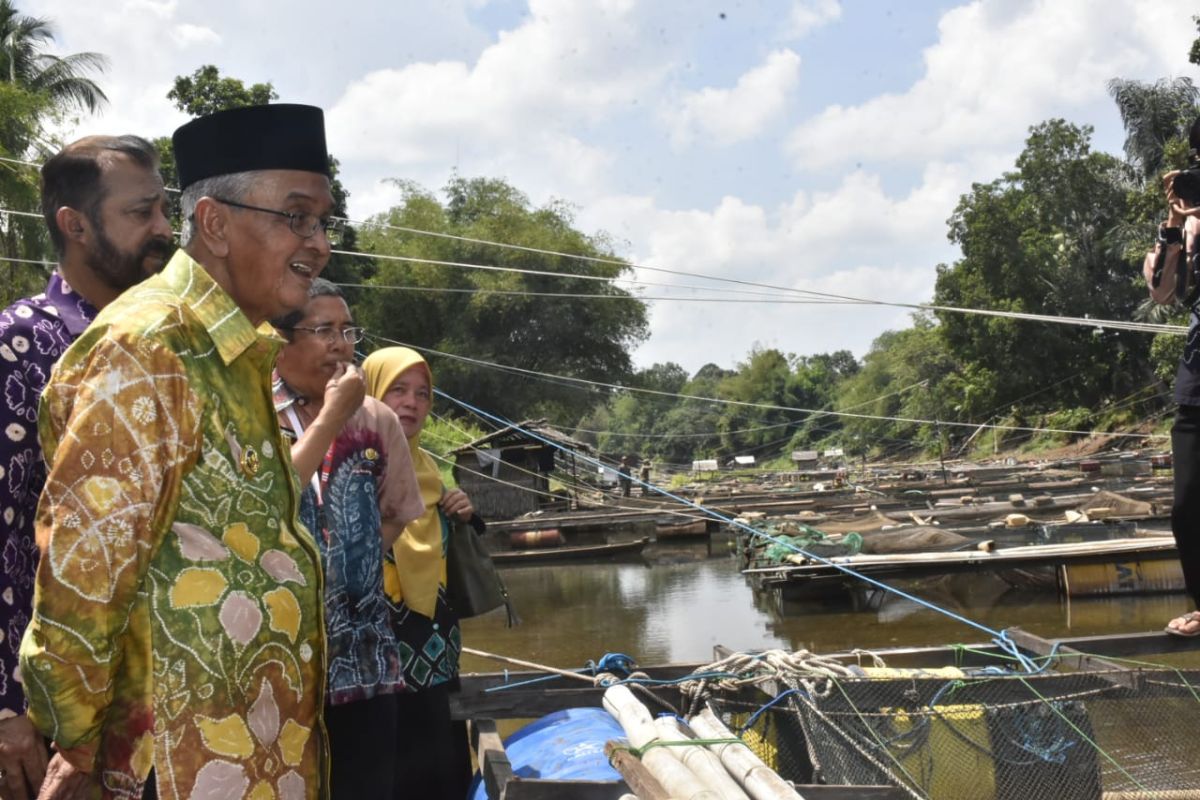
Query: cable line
[999,637]
[1141,327]
[746,404]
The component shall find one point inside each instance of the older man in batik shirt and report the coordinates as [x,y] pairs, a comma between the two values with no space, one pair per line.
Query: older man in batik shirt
[103,202]
[178,618]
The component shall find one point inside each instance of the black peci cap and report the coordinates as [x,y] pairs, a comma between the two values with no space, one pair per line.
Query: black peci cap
[278,136]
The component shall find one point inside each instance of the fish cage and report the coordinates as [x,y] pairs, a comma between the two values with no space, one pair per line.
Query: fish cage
[1129,734]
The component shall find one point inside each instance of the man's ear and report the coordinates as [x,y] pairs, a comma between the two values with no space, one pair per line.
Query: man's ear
[74,225]
[210,220]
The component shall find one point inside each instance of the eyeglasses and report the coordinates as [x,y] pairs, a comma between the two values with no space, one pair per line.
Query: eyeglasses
[329,334]
[303,225]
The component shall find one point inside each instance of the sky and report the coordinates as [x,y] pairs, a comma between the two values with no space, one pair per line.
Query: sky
[800,144]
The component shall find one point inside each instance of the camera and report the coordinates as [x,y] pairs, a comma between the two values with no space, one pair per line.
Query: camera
[1187,183]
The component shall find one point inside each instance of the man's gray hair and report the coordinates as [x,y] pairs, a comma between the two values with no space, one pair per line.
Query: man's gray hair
[234,186]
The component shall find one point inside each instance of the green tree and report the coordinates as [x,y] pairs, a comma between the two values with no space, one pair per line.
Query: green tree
[497,316]
[24,62]
[1194,53]
[21,237]
[206,92]
[694,424]
[36,88]
[1038,240]
[1153,114]
[908,374]
[765,378]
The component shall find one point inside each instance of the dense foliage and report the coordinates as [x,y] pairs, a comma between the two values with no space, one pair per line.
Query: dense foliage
[420,298]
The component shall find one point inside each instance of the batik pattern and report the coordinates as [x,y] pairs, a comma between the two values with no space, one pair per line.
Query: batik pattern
[177,621]
[34,333]
[366,477]
[429,648]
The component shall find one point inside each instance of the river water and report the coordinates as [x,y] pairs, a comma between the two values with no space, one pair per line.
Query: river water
[680,600]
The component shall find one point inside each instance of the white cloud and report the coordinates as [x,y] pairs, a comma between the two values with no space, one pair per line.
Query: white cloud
[187,35]
[734,115]
[854,240]
[997,68]
[808,15]
[569,63]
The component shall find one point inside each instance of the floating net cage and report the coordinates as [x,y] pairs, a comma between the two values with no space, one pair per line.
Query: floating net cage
[1121,735]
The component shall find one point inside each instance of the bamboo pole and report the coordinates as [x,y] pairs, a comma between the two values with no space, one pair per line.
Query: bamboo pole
[703,763]
[638,725]
[759,780]
[530,665]
[636,776]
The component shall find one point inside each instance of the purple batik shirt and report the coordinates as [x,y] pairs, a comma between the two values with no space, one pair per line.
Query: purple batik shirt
[33,334]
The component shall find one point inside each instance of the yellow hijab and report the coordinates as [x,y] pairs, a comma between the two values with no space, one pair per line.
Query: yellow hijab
[420,567]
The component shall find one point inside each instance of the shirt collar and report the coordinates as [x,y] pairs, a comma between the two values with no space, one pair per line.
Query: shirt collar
[283,394]
[75,312]
[228,327]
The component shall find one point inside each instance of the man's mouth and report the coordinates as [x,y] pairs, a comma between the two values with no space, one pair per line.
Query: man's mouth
[303,270]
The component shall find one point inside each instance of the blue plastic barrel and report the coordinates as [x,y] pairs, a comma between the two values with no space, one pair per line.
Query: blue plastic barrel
[565,745]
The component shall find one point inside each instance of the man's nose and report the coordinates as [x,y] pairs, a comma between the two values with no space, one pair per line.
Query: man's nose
[162,226]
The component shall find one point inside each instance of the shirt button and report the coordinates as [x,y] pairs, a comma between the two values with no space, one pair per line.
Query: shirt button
[435,626]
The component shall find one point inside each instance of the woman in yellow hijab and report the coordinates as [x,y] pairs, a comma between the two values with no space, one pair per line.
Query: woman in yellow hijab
[433,760]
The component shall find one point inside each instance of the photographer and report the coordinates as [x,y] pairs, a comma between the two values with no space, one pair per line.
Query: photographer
[1177,244]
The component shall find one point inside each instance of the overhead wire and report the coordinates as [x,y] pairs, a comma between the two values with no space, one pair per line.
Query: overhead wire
[576,486]
[1142,327]
[584,296]
[1000,637]
[743,403]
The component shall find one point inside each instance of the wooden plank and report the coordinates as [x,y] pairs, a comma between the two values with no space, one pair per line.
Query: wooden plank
[641,782]
[539,789]
[1074,659]
[494,765]
[826,792]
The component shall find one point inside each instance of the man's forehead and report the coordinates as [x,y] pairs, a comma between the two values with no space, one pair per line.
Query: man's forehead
[120,171]
[332,310]
[293,186]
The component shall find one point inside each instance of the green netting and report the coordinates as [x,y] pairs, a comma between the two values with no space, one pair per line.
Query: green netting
[1068,736]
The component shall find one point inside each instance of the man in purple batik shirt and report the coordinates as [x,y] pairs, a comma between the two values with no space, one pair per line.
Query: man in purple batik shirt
[104,205]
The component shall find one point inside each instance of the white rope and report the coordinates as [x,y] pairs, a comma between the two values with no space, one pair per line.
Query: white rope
[814,672]
[582,296]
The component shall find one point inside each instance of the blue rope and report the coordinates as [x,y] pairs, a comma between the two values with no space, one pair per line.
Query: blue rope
[1000,638]
[762,709]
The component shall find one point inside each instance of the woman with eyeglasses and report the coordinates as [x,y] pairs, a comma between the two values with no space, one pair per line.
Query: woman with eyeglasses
[359,490]
[433,760]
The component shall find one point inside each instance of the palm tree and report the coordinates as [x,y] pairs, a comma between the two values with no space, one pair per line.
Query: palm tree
[1153,114]
[60,78]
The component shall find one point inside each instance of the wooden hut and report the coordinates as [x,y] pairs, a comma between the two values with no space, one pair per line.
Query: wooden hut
[507,473]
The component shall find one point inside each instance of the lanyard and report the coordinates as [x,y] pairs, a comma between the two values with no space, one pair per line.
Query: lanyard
[298,428]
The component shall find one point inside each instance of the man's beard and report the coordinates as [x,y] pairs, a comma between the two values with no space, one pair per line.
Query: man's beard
[121,270]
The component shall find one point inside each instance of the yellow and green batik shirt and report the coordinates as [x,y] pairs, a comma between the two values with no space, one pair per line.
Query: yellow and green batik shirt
[177,612]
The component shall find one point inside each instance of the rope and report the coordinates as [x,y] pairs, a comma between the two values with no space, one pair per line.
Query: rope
[639,751]
[741,670]
[999,637]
